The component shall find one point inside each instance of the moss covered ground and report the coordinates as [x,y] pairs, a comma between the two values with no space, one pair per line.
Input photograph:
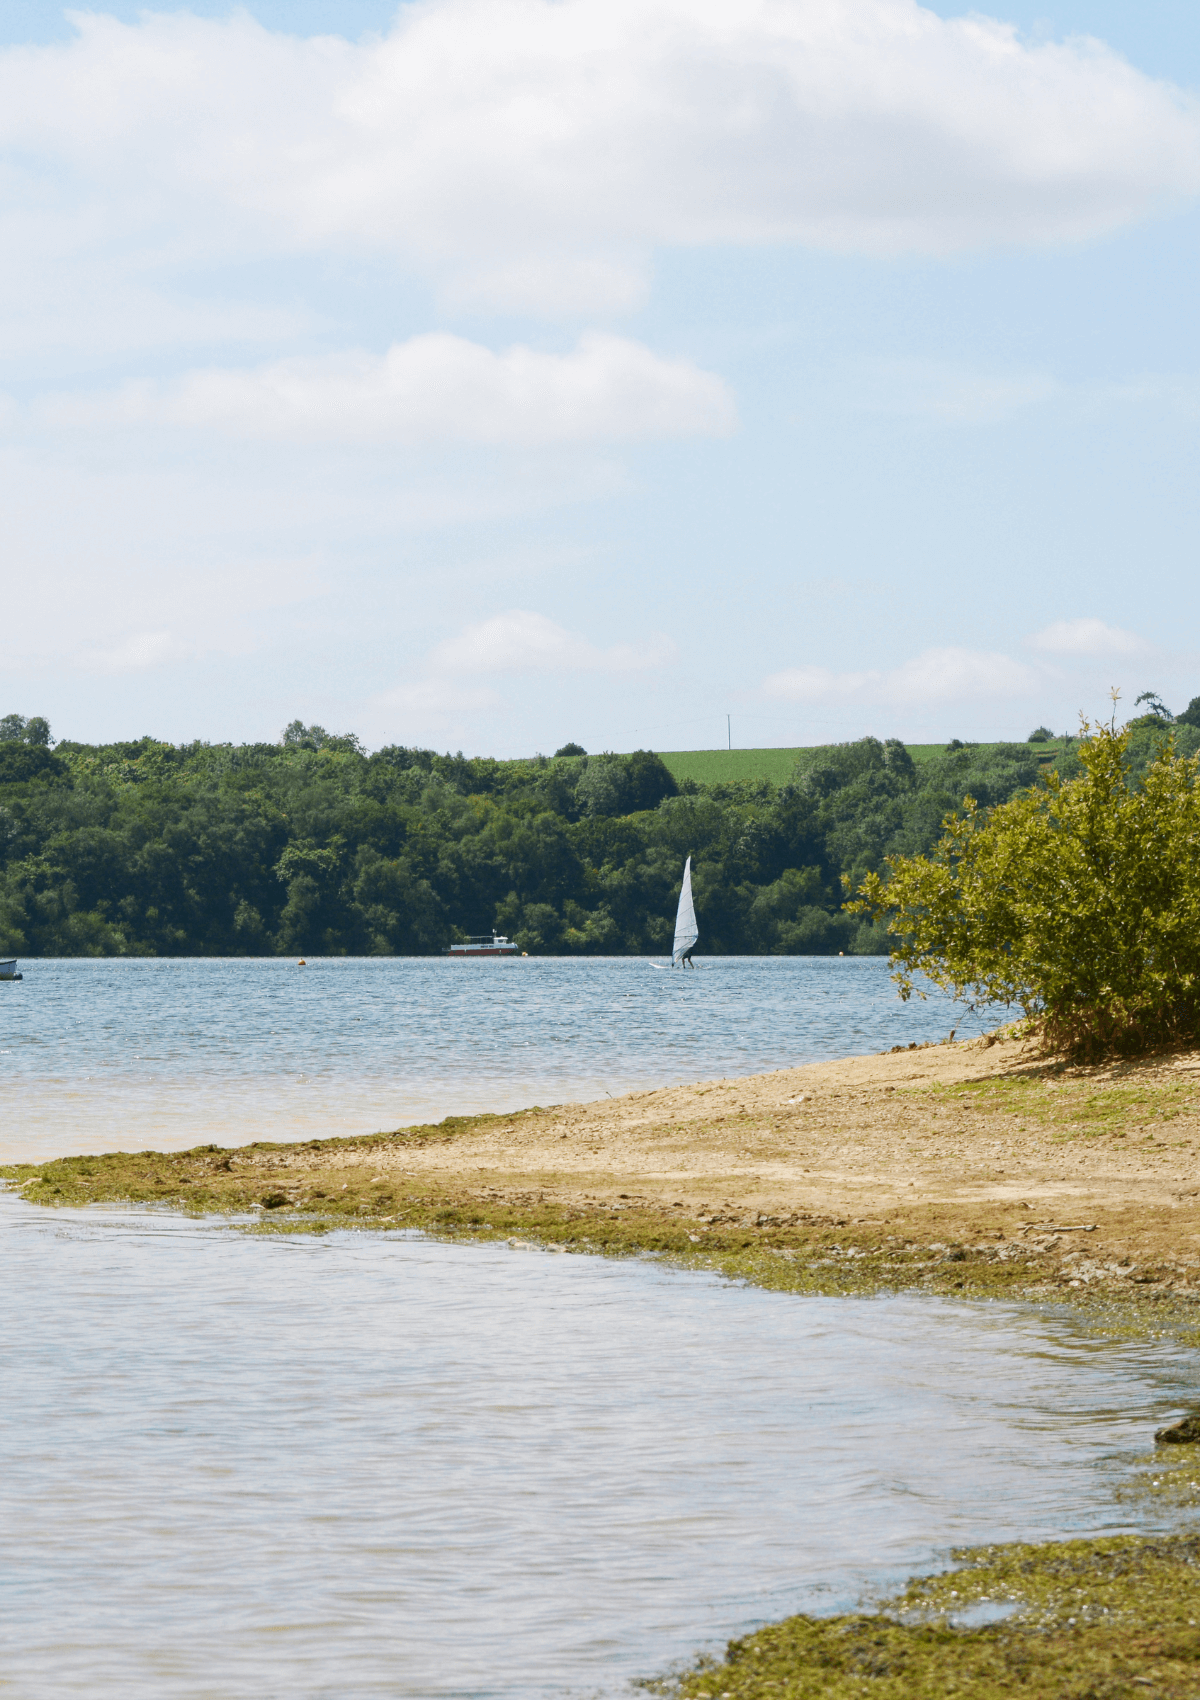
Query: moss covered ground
[936,1247]
[1107,1619]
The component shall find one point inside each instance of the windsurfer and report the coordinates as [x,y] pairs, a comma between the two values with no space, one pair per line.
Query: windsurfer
[686,931]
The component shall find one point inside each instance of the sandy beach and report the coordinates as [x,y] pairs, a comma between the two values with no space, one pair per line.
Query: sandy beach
[971,1166]
[984,1138]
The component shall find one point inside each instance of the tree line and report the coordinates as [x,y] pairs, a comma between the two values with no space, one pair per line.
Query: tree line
[312,845]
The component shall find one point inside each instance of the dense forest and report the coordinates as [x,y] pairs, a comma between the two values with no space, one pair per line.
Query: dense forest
[314,846]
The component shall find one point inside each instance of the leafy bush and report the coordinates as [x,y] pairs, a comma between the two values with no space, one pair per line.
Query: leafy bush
[1077,900]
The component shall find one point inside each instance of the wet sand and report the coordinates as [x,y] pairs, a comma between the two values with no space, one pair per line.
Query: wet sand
[979,1167]
[969,1140]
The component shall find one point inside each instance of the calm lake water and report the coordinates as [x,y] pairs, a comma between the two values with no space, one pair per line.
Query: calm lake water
[360,1466]
[370,1465]
[131,1055]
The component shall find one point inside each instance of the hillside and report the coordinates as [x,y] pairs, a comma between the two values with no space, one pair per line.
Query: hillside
[732,767]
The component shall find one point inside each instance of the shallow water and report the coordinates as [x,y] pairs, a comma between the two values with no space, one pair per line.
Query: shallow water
[363,1466]
[132,1055]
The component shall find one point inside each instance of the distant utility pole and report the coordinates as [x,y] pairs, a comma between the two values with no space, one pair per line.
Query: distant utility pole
[729,731]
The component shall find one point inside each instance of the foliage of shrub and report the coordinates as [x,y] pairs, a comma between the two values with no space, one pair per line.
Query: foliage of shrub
[1077,900]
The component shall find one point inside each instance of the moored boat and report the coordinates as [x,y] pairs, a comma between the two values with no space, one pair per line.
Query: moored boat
[8,969]
[497,945]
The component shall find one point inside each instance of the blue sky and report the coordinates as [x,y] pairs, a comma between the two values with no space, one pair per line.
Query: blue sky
[492,373]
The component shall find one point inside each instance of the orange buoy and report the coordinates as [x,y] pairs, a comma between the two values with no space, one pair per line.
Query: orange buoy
[302,963]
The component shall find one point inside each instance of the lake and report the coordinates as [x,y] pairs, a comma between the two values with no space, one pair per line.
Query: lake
[112,1054]
[366,1464]
[372,1465]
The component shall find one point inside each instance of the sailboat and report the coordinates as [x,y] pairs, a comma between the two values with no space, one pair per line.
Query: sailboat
[686,931]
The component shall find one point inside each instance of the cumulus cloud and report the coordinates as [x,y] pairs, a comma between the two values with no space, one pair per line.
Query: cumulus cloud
[434,388]
[524,642]
[536,151]
[1087,637]
[457,676]
[936,675]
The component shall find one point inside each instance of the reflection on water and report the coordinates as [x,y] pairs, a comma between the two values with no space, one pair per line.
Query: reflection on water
[131,1055]
[364,1465]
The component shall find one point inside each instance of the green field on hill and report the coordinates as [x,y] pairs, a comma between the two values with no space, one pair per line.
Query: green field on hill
[725,767]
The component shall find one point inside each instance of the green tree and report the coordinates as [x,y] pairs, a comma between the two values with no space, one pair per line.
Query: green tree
[16,729]
[1077,901]
[308,844]
[1157,716]
[20,761]
[297,736]
[623,785]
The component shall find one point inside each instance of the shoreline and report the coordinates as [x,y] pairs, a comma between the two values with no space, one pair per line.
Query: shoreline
[978,1170]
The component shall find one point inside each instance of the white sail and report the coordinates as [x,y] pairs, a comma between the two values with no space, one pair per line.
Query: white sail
[686,931]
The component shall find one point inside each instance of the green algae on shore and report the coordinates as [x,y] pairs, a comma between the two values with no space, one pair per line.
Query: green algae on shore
[1072,1620]
[342,1183]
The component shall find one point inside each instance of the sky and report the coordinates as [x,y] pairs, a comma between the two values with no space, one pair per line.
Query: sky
[488,374]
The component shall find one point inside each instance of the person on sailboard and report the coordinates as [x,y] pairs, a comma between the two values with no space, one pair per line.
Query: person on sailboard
[686,930]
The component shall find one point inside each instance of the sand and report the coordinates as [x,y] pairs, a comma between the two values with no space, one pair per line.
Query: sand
[980,1167]
[971,1139]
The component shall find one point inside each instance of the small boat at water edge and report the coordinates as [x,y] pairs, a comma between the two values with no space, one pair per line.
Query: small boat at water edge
[8,969]
[497,945]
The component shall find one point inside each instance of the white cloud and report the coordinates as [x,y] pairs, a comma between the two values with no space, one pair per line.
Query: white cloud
[936,675]
[433,388]
[524,642]
[535,151]
[454,679]
[1087,637]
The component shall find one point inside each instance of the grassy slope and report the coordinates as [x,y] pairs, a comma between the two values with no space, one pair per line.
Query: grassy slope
[715,767]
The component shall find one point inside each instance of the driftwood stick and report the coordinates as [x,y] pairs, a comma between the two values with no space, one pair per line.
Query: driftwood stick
[1061,1228]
